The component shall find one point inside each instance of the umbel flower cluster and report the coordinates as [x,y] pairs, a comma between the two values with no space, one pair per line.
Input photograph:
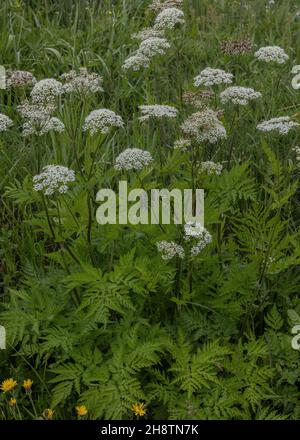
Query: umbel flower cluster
[46,91]
[133,159]
[102,120]
[197,99]
[157,111]
[38,119]
[5,122]
[196,238]
[271,54]
[20,78]
[204,126]
[168,18]
[282,125]
[210,167]
[82,83]
[152,40]
[169,249]
[182,144]
[211,77]
[239,95]
[37,114]
[153,46]
[236,47]
[43,126]
[146,33]
[297,151]
[53,179]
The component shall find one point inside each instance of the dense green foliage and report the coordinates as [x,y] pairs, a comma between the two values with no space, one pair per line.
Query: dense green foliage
[93,314]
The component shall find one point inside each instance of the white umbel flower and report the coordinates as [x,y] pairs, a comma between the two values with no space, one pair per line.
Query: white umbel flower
[42,127]
[211,77]
[271,54]
[210,167]
[5,122]
[297,151]
[136,62]
[146,33]
[204,126]
[157,111]
[36,112]
[239,95]
[46,91]
[193,229]
[282,125]
[153,46]
[169,249]
[20,78]
[182,144]
[168,18]
[196,233]
[53,179]
[38,119]
[133,159]
[82,82]
[102,120]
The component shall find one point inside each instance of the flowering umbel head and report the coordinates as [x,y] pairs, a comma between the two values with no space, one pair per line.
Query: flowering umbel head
[53,179]
[20,78]
[210,168]
[133,159]
[146,33]
[102,120]
[136,62]
[5,122]
[239,95]
[153,46]
[211,77]
[197,99]
[46,91]
[8,385]
[197,236]
[39,119]
[281,125]
[168,18]
[82,82]
[139,409]
[204,126]
[236,47]
[157,111]
[169,249]
[270,54]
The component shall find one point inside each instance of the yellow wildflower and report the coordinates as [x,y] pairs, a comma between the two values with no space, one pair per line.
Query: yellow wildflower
[8,385]
[81,411]
[27,384]
[12,402]
[139,409]
[48,414]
